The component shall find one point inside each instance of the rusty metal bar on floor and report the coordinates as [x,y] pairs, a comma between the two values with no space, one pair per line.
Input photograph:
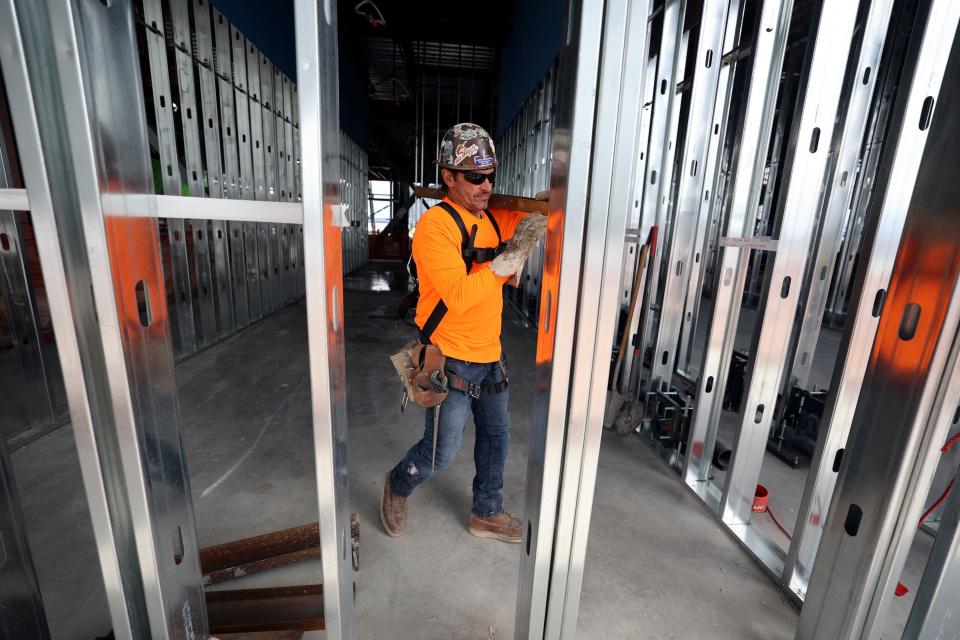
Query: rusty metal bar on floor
[273,609]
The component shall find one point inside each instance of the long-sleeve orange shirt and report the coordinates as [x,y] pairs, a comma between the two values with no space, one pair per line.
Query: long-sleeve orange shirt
[471,329]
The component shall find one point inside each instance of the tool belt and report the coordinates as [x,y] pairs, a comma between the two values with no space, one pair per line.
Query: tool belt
[476,390]
[422,369]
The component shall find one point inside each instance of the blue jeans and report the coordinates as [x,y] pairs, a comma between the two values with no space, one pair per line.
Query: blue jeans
[492,420]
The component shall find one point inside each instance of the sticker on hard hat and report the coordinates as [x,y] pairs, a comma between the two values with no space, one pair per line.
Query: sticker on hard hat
[464,152]
[483,161]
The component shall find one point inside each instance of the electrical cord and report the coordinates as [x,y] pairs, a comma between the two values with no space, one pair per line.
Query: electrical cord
[902,589]
[777,522]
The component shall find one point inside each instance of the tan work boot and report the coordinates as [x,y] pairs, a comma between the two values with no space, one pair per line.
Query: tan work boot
[500,526]
[393,510]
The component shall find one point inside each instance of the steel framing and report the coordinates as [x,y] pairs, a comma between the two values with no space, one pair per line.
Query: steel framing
[879,251]
[911,385]
[703,92]
[91,197]
[769,44]
[804,174]
[120,380]
[655,203]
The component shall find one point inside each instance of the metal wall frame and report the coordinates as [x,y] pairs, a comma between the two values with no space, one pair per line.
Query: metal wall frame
[704,89]
[576,85]
[911,387]
[769,45]
[804,175]
[656,203]
[886,222]
[184,326]
[839,195]
[712,198]
[115,346]
[316,38]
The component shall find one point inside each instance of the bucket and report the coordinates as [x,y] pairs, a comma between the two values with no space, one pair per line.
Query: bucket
[760,498]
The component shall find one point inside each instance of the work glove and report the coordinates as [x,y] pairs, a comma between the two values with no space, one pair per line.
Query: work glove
[509,264]
[529,230]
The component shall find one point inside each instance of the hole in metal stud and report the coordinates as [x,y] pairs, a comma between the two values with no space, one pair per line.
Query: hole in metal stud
[852,524]
[785,287]
[143,303]
[866,75]
[823,272]
[727,276]
[529,532]
[909,321]
[709,386]
[335,309]
[843,179]
[837,460]
[665,357]
[814,139]
[546,320]
[663,87]
[709,61]
[5,242]
[178,545]
[679,268]
[758,417]
[878,301]
[926,113]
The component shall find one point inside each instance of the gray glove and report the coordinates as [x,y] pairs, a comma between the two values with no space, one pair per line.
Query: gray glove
[510,261]
[529,231]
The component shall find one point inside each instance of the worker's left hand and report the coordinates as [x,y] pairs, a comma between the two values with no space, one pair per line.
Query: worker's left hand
[529,231]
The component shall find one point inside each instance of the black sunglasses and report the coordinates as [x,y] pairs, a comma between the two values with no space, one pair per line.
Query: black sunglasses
[477,178]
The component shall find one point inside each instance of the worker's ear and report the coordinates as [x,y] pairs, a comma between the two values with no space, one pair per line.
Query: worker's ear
[447,176]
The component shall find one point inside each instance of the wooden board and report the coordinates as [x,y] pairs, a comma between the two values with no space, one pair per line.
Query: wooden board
[497,201]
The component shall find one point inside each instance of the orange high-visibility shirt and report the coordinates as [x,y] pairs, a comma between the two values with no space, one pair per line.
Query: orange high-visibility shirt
[471,329]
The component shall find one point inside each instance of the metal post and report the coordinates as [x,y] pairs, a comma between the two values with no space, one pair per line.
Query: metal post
[231,164]
[659,162]
[574,120]
[911,387]
[316,25]
[769,45]
[839,195]
[210,124]
[638,228]
[804,176]
[92,154]
[703,94]
[184,329]
[623,59]
[920,81]
[710,203]
[187,117]
[247,192]
[115,547]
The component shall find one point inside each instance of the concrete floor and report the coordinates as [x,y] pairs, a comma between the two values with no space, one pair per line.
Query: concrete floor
[658,564]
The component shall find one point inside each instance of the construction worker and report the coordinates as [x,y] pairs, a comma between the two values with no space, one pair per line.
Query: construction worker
[464,254]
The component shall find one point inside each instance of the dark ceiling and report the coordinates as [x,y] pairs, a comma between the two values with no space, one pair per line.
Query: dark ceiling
[438,58]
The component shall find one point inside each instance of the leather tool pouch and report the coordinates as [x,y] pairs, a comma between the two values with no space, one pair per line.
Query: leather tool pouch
[421,368]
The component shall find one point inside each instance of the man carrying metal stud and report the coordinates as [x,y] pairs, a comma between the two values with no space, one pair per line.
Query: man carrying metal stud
[464,254]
